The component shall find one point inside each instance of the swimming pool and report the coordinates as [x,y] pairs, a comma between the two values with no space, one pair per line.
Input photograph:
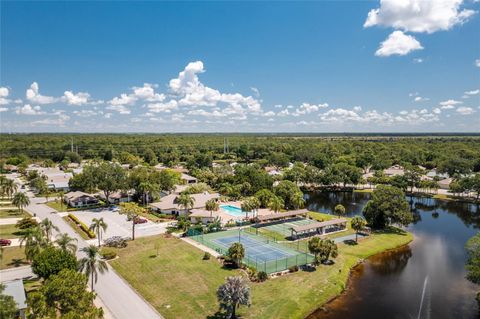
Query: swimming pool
[233,211]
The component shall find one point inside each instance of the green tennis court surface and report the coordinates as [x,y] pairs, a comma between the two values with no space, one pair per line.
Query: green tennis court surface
[260,252]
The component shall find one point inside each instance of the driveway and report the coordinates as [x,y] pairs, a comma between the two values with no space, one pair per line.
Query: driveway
[118,224]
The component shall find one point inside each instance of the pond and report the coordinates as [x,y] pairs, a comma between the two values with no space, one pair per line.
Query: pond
[423,280]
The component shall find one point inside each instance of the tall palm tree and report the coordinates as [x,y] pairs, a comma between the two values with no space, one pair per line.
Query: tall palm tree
[186,201]
[98,225]
[212,205]
[297,200]
[276,203]
[66,243]
[147,188]
[60,196]
[10,187]
[47,227]
[91,264]
[34,241]
[21,200]
[232,294]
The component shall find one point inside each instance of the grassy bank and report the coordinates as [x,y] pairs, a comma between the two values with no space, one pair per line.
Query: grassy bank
[13,213]
[178,283]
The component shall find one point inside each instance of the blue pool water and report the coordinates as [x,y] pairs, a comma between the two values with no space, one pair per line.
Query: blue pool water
[233,211]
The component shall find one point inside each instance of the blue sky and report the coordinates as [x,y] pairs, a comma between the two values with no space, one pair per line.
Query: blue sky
[358,66]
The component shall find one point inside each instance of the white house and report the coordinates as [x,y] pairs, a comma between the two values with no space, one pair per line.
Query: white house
[169,204]
[394,171]
[117,197]
[80,199]
[202,216]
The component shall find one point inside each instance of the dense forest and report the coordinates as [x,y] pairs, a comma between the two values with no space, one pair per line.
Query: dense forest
[452,153]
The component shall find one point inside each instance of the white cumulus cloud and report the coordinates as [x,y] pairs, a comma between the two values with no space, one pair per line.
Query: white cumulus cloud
[465,110]
[419,15]
[34,96]
[398,43]
[27,109]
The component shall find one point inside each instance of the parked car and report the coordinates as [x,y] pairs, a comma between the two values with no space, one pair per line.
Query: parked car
[5,242]
[139,220]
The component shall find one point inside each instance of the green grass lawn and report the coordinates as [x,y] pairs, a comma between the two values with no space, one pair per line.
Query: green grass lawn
[57,206]
[13,257]
[9,231]
[13,213]
[178,283]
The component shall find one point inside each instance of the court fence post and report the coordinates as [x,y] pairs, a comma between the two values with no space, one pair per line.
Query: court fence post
[265,266]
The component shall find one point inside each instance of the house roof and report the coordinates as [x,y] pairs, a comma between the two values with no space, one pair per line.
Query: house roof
[394,170]
[169,201]
[15,289]
[188,177]
[77,194]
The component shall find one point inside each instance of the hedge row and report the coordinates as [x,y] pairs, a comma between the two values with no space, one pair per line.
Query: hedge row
[82,226]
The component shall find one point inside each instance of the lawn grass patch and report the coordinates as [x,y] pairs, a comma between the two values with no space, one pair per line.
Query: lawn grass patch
[57,206]
[9,231]
[179,284]
[13,257]
[13,213]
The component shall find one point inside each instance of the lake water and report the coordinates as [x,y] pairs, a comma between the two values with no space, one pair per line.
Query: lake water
[423,280]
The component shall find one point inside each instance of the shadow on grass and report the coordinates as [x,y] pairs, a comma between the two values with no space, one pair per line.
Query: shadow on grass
[17,262]
[218,315]
[390,230]
[350,242]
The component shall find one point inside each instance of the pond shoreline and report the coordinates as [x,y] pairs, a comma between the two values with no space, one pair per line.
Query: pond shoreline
[348,283]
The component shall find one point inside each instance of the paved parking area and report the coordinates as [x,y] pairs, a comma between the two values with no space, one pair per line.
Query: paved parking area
[118,224]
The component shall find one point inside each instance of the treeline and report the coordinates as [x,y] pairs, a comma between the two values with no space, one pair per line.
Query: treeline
[452,154]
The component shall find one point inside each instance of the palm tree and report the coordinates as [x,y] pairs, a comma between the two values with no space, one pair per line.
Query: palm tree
[91,264]
[9,187]
[276,203]
[47,227]
[66,243]
[146,188]
[132,210]
[358,222]
[297,200]
[185,201]
[97,225]
[60,196]
[20,200]
[246,207]
[236,252]
[34,241]
[212,205]
[233,293]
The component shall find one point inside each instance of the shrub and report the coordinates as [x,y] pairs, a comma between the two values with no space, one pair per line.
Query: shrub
[82,226]
[252,273]
[108,253]
[26,222]
[206,256]
[115,241]
[262,276]
[293,268]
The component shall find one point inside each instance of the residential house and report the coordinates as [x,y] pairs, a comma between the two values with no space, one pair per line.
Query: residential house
[394,171]
[117,197]
[80,199]
[59,181]
[445,183]
[15,289]
[187,179]
[169,204]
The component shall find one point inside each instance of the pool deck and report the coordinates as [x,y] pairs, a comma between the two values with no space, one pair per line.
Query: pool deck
[227,217]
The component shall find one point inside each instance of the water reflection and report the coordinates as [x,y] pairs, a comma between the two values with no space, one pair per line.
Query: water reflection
[393,285]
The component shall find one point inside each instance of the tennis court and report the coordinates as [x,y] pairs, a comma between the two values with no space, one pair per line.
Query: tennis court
[260,252]
[283,227]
